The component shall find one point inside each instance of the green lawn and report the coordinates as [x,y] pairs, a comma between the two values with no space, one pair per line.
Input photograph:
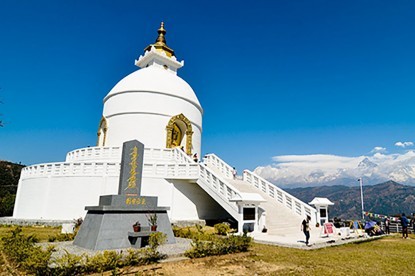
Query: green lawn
[41,232]
[389,256]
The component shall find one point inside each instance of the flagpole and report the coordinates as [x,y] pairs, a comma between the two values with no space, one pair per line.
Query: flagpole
[361,196]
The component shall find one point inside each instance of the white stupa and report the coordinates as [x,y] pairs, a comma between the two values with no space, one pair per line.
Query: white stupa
[156,107]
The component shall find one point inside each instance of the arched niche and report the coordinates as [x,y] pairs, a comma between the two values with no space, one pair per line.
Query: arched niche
[179,133]
[102,132]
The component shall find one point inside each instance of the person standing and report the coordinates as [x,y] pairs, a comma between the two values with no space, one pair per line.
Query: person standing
[387,225]
[305,227]
[404,223]
[234,172]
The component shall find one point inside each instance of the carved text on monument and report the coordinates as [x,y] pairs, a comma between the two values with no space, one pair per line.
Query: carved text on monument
[133,169]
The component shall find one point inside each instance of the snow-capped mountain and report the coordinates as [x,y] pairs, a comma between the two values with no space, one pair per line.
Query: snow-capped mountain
[322,169]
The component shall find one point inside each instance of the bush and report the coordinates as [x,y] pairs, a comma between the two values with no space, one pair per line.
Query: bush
[108,260]
[151,253]
[24,254]
[69,264]
[7,205]
[222,228]
[62,237]
[189,233]
[182,232]
[219,246]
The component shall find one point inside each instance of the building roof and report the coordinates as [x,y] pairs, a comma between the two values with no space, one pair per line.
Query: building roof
[321,201]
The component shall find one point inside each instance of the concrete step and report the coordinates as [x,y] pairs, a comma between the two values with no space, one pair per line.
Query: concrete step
[279,219]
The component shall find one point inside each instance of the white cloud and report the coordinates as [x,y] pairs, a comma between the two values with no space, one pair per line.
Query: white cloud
[378,150]
[404,144]
[325,169]
[315,161]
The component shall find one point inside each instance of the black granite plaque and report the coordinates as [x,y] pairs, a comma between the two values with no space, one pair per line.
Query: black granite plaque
[131,168]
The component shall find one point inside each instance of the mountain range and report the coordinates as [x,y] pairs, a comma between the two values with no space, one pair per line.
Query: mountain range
[290,171]
[388,198]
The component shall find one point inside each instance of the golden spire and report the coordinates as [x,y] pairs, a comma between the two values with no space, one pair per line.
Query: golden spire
[160,43]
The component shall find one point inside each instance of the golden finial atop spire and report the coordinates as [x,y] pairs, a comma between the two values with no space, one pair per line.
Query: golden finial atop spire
[160,43]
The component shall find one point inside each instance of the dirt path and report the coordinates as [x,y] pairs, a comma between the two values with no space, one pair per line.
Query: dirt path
[236,264]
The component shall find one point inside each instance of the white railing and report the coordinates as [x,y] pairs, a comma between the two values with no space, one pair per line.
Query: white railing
[165,170]
[292,203]
[181,157]
[221,188]
[94,153]
[158,154]
[171,171]
[213,160]
[71,169]
[114,154]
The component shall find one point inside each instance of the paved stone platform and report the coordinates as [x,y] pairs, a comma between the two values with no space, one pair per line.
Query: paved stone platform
[317,240]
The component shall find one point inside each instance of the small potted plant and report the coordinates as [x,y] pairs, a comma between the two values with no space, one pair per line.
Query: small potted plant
[152,220]
[137,226]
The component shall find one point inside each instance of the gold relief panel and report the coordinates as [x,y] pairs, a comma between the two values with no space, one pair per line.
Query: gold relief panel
[178,125]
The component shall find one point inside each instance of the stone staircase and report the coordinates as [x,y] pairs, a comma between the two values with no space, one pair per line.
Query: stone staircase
[279,220]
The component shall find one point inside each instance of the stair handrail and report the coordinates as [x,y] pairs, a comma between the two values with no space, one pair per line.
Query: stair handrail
[181,156]
[223,188]
[297,206]
[223,167]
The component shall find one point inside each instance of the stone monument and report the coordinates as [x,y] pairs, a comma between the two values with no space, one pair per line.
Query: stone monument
[109,225]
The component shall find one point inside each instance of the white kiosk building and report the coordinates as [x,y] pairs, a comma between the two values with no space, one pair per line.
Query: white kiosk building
[158,108]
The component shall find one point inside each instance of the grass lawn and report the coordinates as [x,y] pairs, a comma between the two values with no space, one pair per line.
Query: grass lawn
[390,255]
[41,232]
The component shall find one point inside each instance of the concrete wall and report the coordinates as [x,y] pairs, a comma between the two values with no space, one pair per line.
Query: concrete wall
[64,197]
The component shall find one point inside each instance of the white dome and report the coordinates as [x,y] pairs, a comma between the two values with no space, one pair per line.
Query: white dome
[155,79]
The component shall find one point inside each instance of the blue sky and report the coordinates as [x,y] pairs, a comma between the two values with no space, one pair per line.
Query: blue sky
[274,77]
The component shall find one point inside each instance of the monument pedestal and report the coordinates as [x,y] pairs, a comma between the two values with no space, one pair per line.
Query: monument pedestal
[108,226]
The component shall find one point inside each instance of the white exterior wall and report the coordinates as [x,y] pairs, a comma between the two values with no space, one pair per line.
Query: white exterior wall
[141,105]
[64,198]
[61,197]
[148,125]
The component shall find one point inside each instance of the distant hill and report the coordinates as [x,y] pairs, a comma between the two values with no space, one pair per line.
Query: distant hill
[9,178]
[389,198]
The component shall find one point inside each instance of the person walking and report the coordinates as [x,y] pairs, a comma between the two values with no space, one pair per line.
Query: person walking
[305,227]
[404,223]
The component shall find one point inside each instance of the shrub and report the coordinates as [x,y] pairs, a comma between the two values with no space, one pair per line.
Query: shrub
[182,232]
[188,233]
[222,228]
[134,257]
[23,253]
[78,222]
[62,237]
[7,205]
[108,260]
[151,253]
[69,264]
[219,246]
